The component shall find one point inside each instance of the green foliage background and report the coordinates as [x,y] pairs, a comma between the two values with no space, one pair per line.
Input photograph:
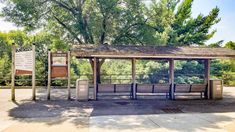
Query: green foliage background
[59,24]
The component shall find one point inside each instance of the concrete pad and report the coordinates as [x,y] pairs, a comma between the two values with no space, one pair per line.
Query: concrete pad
[48,125]
[183,122]
[221,120]
[164,122]
[230,127]
[114,115]
[121,123]
[5,124]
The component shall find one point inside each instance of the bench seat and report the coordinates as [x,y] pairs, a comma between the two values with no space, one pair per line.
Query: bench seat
[190,88]
[114,89]
[153,89]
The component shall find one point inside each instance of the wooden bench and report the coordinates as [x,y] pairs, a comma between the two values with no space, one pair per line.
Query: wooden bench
[114,89]
[199,88]
[190,88]
[153,89]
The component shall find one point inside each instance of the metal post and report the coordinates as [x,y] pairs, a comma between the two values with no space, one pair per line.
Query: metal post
[133,61]
[110,79]
[95,78]
[171,79]
[207,76]
[33,74]
[13,73]
[49,76]
[69,77]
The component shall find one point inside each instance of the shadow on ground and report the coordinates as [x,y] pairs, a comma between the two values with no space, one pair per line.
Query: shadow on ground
[59,106]
[79,112]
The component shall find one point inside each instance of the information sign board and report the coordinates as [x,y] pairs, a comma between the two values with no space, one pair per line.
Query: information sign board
[59,65]
[24,62]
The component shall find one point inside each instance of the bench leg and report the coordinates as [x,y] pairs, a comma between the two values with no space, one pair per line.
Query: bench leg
[167,95]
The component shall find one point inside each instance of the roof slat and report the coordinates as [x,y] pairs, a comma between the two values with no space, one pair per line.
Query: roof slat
[121,51]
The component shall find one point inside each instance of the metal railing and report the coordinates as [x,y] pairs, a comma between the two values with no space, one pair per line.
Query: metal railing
[117,78]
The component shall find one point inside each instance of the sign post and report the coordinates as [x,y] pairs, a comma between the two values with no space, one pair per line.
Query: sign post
[58,67]
[49,76]
[13,73]
[69,77]
[33,74]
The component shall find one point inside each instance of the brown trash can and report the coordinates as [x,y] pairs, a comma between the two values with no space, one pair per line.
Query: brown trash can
[216,89]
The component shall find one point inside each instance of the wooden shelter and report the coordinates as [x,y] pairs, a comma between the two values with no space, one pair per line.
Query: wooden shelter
[96,52]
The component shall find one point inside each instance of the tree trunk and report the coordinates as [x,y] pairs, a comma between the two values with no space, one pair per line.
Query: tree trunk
[99,64]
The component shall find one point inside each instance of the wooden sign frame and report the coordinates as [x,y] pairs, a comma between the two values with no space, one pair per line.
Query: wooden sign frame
[23,72]
[59,64]
[24,62]
[59,70]
[15,72]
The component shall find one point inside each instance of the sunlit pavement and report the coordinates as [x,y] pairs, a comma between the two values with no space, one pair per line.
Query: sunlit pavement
[114,115]
[165,122]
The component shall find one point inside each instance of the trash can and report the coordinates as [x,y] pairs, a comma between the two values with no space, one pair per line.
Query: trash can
[216,89]
[82,93]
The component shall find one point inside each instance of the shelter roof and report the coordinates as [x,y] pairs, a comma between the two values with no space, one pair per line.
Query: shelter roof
[124,51]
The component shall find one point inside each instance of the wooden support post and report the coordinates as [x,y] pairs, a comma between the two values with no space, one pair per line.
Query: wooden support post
[33,74]
[171,79]
[49,76]
[133,77]
[95,78]
[207,77]
[13,73]
[69,77]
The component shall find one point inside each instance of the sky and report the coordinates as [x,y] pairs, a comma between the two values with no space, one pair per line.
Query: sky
[225,28]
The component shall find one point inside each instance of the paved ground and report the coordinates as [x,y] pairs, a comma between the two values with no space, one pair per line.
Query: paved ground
[114,114]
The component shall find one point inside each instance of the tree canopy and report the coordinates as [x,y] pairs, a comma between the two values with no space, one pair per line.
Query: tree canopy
[230,45]
[163,22]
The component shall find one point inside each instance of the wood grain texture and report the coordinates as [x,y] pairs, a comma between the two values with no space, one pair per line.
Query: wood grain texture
[133,51]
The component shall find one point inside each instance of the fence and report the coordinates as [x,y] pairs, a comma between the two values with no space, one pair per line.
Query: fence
[229,79]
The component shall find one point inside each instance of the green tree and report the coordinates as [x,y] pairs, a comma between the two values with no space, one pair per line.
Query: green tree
[174,25]
[216,44]
[230,45]
[5,70]
[81,21]
[6,39]
[164,22]
[115,21]
[191,71]
[229,66]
